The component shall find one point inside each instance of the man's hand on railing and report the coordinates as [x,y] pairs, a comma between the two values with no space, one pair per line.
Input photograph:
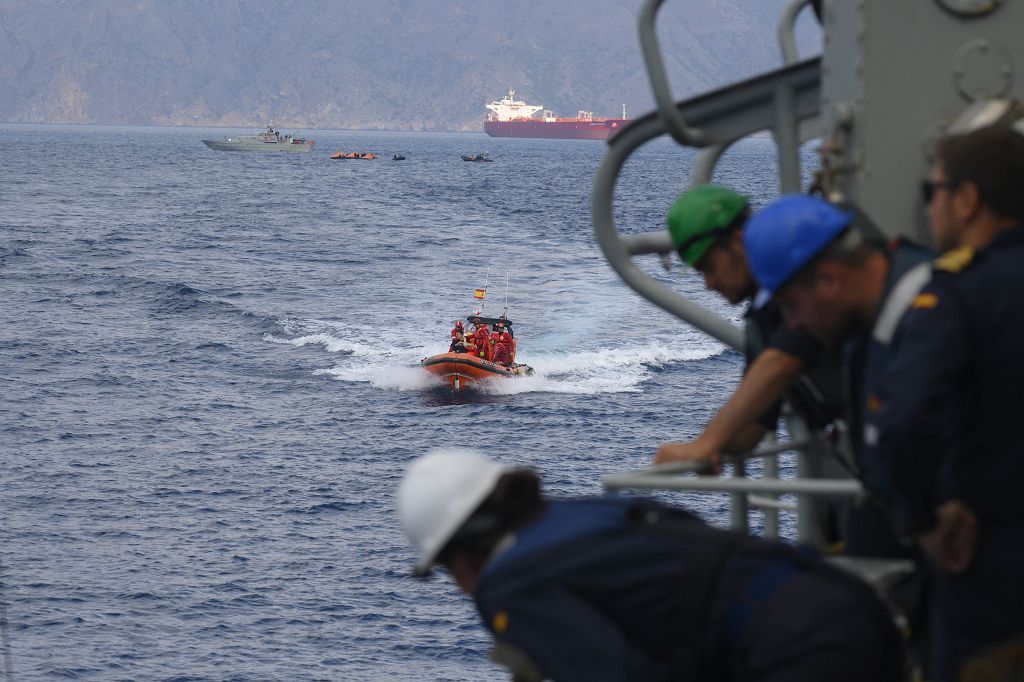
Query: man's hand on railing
[700,450]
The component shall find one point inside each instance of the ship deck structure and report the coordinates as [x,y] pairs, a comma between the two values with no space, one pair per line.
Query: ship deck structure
[509,117]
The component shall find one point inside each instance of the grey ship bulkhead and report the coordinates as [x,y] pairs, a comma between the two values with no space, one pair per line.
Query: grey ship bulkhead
[269,140]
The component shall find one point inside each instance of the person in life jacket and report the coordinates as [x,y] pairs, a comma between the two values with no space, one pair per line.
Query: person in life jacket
[510,345]
[617,588]
[482,340]
[502,353]
[706,225]
[458,338]
[492,343]
[459,344]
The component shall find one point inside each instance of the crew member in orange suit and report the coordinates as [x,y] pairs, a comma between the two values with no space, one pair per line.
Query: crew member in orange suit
[510,344]
[482,341]
[502,351]
[491,345]
[457,331]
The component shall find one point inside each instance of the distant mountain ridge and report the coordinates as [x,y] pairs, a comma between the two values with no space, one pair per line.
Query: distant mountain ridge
[370,64]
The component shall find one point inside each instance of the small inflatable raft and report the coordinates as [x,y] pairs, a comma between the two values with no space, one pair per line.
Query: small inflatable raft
[460,370]
[364,156]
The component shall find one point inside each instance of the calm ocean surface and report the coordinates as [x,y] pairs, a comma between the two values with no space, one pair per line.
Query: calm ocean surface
[210,390]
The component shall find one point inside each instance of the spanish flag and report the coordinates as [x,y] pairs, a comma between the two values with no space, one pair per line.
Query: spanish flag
[479,293]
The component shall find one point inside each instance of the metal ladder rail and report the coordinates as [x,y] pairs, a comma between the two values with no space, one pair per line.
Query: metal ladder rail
[675,124]
[785,126]
[787,30]
[724,115]
[651,51]
[707,159]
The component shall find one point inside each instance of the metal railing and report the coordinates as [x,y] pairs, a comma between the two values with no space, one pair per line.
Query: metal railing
[724,116]
[787,30]
[785,103]
[746,493]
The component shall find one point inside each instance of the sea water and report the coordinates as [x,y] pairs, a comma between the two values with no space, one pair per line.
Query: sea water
[210,386]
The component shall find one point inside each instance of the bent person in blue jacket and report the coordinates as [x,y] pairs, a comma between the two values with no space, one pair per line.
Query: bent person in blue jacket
[616,588]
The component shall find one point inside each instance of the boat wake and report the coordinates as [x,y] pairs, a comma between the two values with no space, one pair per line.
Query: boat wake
[602,370]
[393,364]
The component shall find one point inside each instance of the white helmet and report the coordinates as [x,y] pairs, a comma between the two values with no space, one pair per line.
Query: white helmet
[438,493]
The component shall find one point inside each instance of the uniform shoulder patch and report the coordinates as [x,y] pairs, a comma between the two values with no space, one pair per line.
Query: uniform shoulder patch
[500,622]
[955,260]
[924,301]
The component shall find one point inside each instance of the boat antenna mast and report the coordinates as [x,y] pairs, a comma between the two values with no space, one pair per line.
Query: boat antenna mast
[505,312]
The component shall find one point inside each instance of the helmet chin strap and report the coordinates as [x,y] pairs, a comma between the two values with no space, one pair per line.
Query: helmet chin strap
[476,526]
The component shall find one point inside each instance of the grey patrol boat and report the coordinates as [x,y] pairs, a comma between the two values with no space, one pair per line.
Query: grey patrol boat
[269,140]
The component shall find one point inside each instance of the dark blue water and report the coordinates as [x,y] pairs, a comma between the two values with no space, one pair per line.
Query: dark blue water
[210,391]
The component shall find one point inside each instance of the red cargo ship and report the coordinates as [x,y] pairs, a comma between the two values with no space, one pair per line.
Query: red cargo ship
[512,118]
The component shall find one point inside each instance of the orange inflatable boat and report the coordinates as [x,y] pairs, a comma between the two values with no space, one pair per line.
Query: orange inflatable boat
[459,370]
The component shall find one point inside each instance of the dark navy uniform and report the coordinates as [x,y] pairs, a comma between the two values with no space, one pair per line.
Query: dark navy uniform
[949,419]
[623,589]
[816,393]
[866,358]
[869,530]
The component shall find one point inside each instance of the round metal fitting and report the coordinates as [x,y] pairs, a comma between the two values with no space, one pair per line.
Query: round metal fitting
[970,8]
[982,69]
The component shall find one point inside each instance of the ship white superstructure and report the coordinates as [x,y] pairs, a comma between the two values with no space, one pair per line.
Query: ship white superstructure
[508,108]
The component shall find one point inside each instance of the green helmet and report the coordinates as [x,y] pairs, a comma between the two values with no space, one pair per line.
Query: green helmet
[699,216]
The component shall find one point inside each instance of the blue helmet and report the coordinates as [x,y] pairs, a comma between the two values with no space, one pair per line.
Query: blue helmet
[787,234]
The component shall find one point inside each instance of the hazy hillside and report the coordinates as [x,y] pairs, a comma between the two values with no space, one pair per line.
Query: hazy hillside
[394,64]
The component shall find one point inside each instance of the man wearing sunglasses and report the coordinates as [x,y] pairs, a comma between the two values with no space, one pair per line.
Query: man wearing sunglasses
[952,417]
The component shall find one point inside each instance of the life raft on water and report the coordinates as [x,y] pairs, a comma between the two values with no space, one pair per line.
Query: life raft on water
[363,156]
[459,370]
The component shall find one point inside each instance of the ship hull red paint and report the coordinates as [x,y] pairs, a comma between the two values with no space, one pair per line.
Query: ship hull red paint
[564,129]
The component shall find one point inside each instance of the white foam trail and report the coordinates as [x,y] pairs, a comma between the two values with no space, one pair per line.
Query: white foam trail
[654,353]
[386,363]
[381,364]
[604,370]
[390,378]
[331,344]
